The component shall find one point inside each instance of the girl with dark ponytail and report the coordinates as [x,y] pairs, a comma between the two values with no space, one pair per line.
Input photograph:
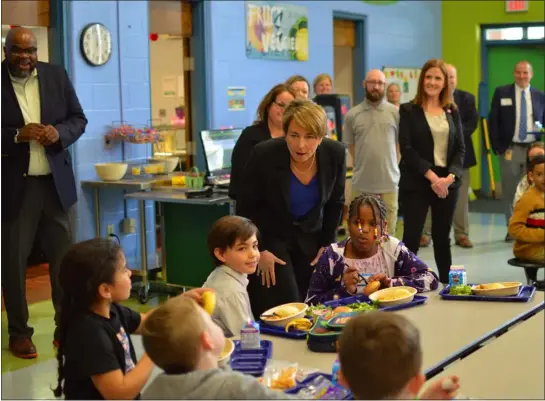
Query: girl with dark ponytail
[369,253]
[95,355]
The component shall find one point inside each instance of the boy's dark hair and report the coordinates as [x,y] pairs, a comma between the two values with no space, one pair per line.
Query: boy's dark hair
[534,145]
[536,160]
[226,231]
[85,266]
[379,353]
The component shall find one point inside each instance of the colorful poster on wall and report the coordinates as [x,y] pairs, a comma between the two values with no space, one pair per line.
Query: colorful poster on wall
[276,31]
[406,78]
[236,96]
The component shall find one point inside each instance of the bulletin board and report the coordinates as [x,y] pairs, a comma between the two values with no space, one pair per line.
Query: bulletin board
[406,78]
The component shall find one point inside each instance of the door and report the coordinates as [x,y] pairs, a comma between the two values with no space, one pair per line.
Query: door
[501,63]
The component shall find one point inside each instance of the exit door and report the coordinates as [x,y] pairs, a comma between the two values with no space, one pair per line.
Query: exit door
[501,63]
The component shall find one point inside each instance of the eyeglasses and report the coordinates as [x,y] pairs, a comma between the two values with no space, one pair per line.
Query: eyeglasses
[375,83]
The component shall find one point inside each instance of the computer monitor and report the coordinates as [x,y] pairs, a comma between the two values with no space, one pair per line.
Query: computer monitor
[218,147]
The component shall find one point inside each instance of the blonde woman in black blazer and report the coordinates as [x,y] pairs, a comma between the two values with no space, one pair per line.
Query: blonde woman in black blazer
[294,193]
[432,153]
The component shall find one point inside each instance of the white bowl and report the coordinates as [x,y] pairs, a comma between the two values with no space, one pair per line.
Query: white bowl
[398,301]
[286,320]
[225,356]
[510,288]
[111,171]
[170,162]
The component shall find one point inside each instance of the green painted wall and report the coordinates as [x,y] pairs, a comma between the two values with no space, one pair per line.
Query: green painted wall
[461,26]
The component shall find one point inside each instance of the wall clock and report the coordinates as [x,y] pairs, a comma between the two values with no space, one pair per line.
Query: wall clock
[96,44]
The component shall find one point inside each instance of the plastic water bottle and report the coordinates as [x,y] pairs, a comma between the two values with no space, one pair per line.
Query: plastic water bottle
[457,276]
[250,336]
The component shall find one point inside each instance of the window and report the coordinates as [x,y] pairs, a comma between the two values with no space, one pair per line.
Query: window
[536,32]
[516,33]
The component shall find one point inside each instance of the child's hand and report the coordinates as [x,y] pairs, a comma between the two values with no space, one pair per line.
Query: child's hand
[442,389]
[196,294]
[350,280]
[385,281]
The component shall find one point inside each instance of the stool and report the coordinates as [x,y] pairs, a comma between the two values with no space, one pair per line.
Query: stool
[534,266]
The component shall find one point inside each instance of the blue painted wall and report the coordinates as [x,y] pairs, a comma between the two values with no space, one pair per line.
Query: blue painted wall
[404,34]
[117,91]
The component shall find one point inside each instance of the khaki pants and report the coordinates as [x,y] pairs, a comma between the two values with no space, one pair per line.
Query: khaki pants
[391,200]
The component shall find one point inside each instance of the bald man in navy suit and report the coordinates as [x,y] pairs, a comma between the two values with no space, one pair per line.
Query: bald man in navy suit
[514,111]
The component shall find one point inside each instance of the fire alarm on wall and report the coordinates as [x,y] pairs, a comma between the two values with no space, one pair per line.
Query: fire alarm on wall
[516,6]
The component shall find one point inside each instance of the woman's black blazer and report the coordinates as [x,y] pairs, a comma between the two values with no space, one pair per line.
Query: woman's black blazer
[416,145]
[250,137]
[265,193]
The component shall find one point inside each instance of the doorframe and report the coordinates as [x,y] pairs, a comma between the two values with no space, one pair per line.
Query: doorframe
[359,59]
[487,44]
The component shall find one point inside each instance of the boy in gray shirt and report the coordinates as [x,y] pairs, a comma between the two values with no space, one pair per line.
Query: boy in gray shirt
[181,338]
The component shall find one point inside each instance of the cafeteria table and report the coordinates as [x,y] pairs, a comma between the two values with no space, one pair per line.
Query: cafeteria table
[448,329]
[514,365]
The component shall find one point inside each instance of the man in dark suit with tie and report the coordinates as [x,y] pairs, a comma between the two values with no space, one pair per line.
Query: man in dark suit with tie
[515,109]
[41,118]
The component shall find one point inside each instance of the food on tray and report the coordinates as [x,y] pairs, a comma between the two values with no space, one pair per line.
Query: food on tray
[460,290]
[282,312]
[394,294]
[491,286]
[362,307]
[282,380]
[299,324]
[342,320]
[341,309]
[373,286]
[209,301]
[318,310]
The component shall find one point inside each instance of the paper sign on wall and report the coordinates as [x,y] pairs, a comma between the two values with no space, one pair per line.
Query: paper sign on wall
[405,78]
[170,86]
[236,96]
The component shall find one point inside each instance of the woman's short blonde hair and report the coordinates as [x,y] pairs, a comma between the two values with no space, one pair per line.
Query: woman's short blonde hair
[172,333]
[308,115]
[319,78]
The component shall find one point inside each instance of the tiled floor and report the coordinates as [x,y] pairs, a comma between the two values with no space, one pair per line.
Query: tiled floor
[486,262]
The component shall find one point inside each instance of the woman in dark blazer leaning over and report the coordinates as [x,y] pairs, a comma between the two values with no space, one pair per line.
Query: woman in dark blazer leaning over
[294,192]
[432,153]
[268,124]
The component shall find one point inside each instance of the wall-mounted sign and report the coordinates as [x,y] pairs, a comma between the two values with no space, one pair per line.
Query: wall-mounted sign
[276,31]
[516,6]
[236,96]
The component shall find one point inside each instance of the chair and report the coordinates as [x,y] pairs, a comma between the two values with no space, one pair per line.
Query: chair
[530,269]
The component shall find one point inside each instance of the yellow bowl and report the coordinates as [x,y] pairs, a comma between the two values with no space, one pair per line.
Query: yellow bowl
[283,322]
[404,299]
[225,356]
[509,288]
[111,171]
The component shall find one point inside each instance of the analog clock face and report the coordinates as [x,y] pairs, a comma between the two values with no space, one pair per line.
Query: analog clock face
[96,44]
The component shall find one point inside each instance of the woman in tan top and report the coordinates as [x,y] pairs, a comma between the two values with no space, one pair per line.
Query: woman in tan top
[432,152]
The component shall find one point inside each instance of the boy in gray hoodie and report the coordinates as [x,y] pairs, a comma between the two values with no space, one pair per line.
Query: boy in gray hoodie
[183,340]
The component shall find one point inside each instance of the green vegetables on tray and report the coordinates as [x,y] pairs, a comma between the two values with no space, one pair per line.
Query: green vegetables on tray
[460,290]
[362,306]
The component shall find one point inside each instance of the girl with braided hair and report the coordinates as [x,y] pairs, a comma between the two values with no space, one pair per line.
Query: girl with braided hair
[367,251]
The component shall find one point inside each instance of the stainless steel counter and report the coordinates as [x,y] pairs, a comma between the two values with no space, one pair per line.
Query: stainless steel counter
[129,184]
[174,196]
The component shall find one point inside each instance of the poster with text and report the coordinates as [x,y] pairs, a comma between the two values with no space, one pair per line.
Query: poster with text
[276,31]
[406,78]
[236,98]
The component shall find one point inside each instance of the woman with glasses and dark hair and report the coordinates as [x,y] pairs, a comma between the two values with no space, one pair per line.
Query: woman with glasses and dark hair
[267,125]
[432,153]
[294,193]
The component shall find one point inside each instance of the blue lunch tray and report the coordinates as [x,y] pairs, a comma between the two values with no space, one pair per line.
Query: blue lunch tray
[417,300]
[281,331]
[251,361]
[299,386]
[525,294]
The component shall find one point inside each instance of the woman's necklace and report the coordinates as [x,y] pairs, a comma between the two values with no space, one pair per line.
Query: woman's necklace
[309,168]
